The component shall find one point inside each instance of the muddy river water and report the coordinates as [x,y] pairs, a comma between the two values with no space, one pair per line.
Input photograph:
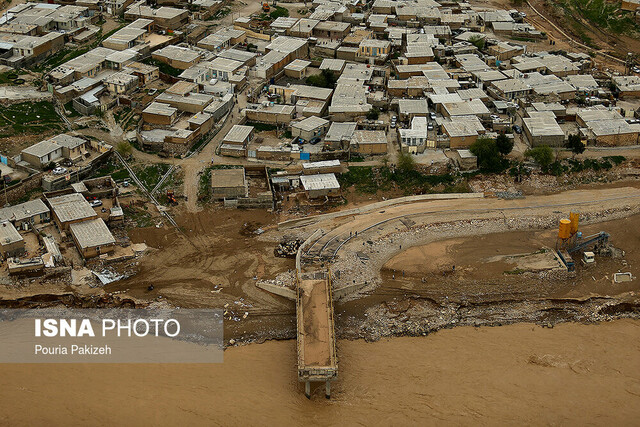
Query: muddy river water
[571,374]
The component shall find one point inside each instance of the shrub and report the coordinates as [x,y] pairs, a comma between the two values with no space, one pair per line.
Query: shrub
[124,148]
[406,162]
[542,155]
[373,114]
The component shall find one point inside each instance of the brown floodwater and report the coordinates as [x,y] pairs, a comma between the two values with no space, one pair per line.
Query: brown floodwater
[572,374]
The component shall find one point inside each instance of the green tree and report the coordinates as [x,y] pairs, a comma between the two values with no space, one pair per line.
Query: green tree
[489,157]
[373,114]
[542,155]
[406,162]
[325,79]
[504,144]
[574,143]
[477,41]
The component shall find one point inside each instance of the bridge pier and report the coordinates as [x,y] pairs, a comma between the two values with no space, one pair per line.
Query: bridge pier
[327,390]
[307,389]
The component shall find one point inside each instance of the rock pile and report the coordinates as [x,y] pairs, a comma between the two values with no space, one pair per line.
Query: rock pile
[287,248]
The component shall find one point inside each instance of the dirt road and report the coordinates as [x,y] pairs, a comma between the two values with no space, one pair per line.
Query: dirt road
[520,374]
[194,165]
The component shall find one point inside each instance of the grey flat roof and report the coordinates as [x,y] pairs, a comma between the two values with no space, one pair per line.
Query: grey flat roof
[363,137]
[160,108]
[463,126]
[8,234]
[332,64]
[238,133]
[42,148]
[298,65]
[178,53]
[92,233]
[543,124]
[68,140]
[339,131]
[323,181]
[23,210]
[71,207]
[321,164]
[310,123]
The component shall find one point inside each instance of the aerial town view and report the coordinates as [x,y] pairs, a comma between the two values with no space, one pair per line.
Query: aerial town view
[405,212]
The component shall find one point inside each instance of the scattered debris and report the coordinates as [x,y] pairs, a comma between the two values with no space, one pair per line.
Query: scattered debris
[287,249]
[107,276]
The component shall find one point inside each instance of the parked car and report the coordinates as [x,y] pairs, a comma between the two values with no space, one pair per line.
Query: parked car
[432,116]
[430,126]
[495,117]
[152,91]
[524,15]
[95,203]
[314,140]
[59,170]
[517,129]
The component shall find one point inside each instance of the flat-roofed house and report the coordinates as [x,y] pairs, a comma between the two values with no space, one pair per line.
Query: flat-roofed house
[70,208]
[414,139]
[297,69]
[42,153]
[73,147]
[511,88]
[159,113]
[239,135]
[331,30]
[543,129]
[321,185]
[374,48]
[607,127]
[164,17]
[324,166]
[369,142]
[31,212]
[119,83]
[228,183]
[11,242]
[177,56]
[145,73]
[223,68]
[92,238]
[462,131]
[310,128]
[627,86]
[275,114]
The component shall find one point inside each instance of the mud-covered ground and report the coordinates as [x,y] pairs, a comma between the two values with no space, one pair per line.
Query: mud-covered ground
[219,258]
[217,255]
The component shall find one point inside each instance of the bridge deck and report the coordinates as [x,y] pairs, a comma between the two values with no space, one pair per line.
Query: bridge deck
[316,338]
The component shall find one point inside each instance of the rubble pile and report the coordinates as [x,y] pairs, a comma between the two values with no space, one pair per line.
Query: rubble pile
[287,248]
